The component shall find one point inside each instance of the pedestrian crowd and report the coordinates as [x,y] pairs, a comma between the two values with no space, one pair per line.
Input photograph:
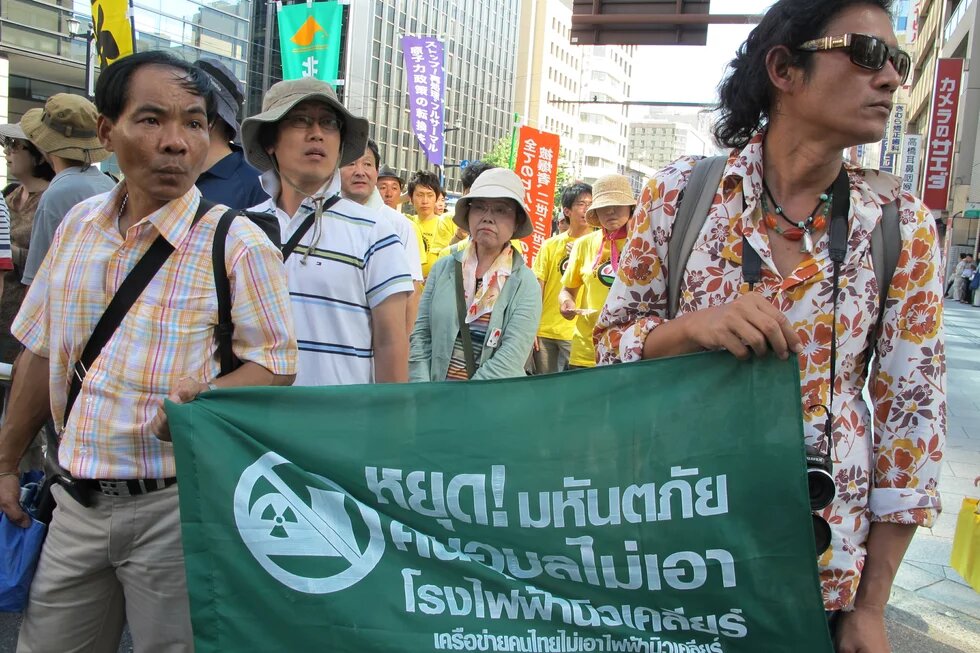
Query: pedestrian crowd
[282,235]
[962,285]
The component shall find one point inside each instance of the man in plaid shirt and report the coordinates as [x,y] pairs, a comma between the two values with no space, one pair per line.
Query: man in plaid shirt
[119,559]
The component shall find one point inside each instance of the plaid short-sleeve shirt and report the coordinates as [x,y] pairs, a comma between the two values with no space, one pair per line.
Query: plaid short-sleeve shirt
[168,333]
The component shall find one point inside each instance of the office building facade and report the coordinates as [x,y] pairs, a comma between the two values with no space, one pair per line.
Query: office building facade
[607,71]
[481,39]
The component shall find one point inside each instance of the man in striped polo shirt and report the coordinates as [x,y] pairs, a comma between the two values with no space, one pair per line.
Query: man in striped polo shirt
[349,279]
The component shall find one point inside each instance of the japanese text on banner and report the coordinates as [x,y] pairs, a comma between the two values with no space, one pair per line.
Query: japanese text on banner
[425,78]
[537,166]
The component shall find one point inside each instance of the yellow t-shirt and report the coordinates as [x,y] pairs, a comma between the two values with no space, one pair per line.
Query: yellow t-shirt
[595,284]
[549,267]
[437,232]
[419,241]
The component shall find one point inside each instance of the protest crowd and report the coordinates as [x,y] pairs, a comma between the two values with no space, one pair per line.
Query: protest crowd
[274,250]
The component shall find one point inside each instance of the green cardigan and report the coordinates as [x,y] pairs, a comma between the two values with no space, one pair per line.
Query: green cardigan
[517,313]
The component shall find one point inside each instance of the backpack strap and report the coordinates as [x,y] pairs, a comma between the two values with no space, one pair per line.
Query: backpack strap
[689,218]
[129,291]
[886,246]
[222,287]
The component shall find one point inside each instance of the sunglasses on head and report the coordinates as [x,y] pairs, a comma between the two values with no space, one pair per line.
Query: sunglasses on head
[866,51]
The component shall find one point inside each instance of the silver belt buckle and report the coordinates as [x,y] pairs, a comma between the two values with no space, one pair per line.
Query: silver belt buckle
[114,488]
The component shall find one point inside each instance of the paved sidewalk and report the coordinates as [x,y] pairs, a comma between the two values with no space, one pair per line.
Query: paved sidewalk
[929,598]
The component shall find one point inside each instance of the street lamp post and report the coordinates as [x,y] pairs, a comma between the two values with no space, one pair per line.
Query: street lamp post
[75,30]
[442,168]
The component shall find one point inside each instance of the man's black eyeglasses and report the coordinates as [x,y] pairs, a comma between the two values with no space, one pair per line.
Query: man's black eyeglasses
[866,51]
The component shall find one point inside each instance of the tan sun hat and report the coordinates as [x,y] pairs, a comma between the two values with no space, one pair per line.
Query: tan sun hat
[66,127]
[611,190]
[496,184]
[285,95]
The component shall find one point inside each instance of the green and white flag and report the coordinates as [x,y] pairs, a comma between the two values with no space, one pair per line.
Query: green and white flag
[309,39]
[658,507]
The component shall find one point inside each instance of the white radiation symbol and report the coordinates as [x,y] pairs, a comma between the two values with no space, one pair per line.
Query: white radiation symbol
[282,524]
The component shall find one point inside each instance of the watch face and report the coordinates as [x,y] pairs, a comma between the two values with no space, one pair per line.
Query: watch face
[606,274]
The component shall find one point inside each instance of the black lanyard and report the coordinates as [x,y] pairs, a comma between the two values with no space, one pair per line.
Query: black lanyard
[752,274]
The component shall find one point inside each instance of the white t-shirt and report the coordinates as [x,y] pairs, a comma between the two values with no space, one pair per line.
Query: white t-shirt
[356,263]
[406,232]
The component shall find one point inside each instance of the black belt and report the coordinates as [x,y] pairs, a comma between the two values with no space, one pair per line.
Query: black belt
[129,487]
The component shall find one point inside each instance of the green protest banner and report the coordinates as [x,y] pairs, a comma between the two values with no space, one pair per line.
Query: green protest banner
[309,39]
[658,507]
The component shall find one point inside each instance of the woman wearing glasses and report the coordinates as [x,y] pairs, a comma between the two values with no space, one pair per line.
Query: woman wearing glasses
[28,167]
[814,78]
[481,306]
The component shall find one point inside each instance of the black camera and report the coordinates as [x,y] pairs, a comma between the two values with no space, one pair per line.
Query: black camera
[819,478]
[823,489]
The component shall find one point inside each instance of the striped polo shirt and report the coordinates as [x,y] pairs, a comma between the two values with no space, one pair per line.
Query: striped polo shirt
[334,283]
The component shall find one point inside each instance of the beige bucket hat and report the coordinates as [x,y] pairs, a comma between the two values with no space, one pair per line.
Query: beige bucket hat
[495,184]
[66,127]
[611,190]
[285,95]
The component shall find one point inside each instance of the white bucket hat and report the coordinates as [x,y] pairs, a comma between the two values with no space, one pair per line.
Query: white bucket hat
[495,184]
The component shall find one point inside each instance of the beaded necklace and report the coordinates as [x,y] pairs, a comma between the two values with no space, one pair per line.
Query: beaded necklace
[803,229]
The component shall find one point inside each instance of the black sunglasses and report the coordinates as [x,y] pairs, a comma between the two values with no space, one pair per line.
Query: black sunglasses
[866,51]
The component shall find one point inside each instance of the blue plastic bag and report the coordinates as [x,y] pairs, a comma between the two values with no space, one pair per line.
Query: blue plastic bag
[20,549]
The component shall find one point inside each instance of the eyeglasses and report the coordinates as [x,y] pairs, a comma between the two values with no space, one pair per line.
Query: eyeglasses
[13,144]
[866,51]
[497,209]
[303,121]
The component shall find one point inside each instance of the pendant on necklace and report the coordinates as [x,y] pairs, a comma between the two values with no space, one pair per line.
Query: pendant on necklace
[807,247]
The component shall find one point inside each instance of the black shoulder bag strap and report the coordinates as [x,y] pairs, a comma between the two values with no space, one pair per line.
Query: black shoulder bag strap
[222,288]
[129,291]
[464,328]
[297,236]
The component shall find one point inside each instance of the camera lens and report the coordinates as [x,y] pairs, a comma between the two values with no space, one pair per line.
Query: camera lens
[821,533]
[819,479]
[822,488]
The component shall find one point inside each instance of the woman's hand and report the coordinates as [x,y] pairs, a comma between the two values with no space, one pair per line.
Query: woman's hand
[568,309]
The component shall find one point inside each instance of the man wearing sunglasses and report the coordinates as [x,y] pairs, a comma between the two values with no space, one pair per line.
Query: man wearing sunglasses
[814,78]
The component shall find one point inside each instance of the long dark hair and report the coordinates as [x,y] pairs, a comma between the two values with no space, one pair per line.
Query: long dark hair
[746,94]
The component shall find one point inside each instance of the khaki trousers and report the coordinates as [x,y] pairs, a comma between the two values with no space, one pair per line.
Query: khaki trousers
[118,561]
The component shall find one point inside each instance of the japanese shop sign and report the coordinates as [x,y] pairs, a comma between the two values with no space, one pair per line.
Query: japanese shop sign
[942,133]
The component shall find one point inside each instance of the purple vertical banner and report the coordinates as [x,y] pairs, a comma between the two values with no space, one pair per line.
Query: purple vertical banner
[426,77]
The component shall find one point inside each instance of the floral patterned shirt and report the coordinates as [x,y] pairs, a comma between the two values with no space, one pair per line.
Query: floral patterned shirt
[886,457]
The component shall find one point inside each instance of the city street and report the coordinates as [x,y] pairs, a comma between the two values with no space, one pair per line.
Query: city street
[932,610]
